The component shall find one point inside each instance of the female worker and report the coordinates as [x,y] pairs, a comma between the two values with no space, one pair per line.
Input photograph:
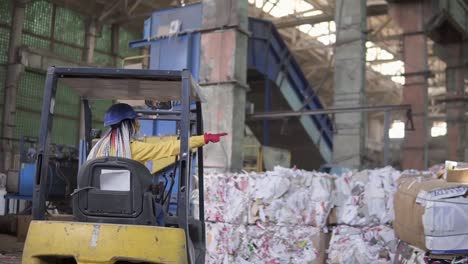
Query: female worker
[119,141]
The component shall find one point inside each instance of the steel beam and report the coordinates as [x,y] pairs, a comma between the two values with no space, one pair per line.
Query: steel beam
[337,110]
[372,10]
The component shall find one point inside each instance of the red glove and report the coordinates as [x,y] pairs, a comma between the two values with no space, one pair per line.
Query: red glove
[213,137]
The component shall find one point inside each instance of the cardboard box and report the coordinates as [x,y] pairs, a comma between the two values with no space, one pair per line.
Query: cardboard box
[22,227]
[460,175]
[430,214]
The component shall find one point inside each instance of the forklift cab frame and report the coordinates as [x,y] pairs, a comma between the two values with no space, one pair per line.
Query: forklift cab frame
[131,84]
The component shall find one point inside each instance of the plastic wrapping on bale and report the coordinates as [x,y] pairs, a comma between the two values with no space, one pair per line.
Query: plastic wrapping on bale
[274,244]
[365,197]
[351,245]
[227,198]
[291,197]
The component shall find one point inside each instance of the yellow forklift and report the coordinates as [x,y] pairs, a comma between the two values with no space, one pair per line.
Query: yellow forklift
[113,206]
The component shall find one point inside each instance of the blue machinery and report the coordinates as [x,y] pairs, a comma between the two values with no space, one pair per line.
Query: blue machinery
[62,170]
[267,55]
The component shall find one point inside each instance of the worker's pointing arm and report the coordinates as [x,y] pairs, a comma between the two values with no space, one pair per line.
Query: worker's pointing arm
[145,151]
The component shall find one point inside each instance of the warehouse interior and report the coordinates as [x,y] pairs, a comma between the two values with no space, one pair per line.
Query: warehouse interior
[344,119]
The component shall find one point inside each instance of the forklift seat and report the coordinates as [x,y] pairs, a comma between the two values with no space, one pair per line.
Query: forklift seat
[114,190]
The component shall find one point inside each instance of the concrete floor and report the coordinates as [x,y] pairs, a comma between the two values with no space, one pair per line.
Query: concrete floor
[10,249]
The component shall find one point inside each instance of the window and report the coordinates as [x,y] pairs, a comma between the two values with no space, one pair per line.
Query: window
[439,129]
[397,130]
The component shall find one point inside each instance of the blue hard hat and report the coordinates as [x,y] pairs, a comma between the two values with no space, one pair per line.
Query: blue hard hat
[117,113]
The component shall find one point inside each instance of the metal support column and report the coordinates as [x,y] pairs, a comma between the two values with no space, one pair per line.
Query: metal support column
[386,149]
[14,71]
[266,123]
[184,180]
[455,101]
[40,184]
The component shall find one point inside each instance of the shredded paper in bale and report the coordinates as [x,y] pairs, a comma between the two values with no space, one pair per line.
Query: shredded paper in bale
[291,197]
[284,244]
[364,245]
[223,242]
[365,197]
[227,198]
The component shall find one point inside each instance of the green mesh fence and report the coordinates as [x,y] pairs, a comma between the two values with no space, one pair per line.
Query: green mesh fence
[29,105]
[67,102]
[6,11]
[27,124]
[65,131]
[69,27]
[38,18]
[2,88]
[124,38]
[103,41]
[4,43]
[30,92]
[98,108]
[35,42]
[67,51]
[102,59]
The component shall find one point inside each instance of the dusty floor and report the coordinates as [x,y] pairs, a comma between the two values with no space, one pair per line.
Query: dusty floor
[10,249]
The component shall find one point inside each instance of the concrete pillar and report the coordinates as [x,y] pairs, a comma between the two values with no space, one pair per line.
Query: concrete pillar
[223,74]
[90,41]
[411,17]
[14,70]
[453,55]
[350,79]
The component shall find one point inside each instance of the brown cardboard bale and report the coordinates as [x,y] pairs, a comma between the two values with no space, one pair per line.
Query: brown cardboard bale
[22,228]
[322,241]
[408,222]
[460,176]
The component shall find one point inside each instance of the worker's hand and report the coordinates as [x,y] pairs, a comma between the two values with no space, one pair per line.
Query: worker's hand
[213,137]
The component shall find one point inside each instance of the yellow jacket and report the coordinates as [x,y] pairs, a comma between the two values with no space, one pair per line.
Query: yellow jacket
[144,152]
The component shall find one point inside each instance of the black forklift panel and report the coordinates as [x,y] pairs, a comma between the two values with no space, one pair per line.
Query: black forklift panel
[99,200]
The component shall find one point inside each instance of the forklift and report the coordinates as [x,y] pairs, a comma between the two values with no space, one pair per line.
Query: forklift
[115,222]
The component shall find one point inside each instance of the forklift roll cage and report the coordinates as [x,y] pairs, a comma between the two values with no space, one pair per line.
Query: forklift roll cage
[131,84]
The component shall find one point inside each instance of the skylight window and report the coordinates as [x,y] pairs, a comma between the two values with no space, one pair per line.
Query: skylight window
[281,8]
[382,60]
[395,68]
